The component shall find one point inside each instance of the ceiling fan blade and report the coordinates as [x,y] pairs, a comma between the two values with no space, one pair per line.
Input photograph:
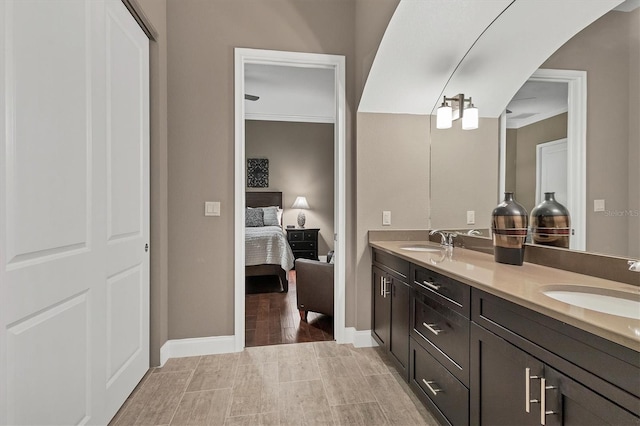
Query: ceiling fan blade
[251,97]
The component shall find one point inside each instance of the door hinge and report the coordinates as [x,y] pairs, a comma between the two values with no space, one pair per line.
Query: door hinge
[146,247]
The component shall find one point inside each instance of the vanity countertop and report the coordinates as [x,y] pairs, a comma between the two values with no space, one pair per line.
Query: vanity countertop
[524,286]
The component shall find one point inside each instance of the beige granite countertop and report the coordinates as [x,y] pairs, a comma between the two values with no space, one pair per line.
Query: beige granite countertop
[524,284]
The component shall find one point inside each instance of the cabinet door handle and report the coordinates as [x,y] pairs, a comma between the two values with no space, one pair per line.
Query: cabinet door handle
[431,285]
[431,328]
[527,389]
[543,401]
[386,289]
[433,390]
[382,286]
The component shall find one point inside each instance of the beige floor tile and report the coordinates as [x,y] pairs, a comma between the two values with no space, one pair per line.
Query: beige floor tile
[266,419]
[342,366]
[331,349]
[157,399]
[298,370]
[178,364]
[306,396]
[258,355]
[367,414]
[245,402]
[347,390]
[210,378]
[318,418]
[397,405]
[299,351]
[255,390]
[203,408]
[370,361]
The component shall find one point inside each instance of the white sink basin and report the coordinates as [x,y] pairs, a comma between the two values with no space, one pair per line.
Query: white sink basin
[610,302]
[419,247]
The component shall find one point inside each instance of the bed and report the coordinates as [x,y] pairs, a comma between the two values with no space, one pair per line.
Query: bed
[267,250]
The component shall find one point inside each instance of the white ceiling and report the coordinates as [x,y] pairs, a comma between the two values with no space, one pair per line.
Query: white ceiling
[535,101]
[493,46]
[290,93]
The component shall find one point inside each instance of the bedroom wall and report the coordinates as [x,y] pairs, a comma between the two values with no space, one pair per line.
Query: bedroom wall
[300,163]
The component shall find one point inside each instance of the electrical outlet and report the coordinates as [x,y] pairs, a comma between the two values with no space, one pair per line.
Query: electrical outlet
[386,217]
[471,217]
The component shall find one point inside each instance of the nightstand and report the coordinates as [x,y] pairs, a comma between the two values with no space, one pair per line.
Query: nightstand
[303,242]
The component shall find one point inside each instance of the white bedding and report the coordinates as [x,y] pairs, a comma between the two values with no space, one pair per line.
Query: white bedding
[267,245]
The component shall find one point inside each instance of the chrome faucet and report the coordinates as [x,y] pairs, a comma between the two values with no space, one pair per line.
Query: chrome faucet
[446,239]
[634,265]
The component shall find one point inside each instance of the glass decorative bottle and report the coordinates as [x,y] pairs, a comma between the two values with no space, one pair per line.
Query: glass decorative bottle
[551,223]
[509,226]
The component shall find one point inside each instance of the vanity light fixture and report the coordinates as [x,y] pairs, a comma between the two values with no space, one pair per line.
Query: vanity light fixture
[446,113]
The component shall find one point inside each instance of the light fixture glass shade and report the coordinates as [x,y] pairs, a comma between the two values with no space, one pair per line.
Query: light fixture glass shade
[444,117]
[300,203]
[470,118]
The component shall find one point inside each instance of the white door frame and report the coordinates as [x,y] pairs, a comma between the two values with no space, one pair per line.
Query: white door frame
[292,59]
[576,147]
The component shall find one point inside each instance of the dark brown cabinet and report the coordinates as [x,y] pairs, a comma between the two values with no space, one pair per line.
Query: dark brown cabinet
[475,358]
[303,242]
[390,308]
[537,376]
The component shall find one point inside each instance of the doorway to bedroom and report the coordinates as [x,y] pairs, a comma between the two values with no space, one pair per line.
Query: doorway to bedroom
[289,177]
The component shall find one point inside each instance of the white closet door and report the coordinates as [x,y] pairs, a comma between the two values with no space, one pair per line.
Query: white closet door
[63,354]
[127,178]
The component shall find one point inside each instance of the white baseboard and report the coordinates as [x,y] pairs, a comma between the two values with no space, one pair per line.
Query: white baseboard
[359,338]
[181,348]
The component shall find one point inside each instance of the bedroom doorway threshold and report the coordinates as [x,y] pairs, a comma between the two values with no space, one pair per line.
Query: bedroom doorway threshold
[336,63]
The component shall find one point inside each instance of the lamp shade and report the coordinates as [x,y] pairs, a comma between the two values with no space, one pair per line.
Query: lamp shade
[300,203]
[470,118]
[444,117]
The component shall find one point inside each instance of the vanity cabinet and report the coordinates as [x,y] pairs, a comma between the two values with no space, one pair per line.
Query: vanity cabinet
[475,358]
[390,308]
[439,364]
[528,369]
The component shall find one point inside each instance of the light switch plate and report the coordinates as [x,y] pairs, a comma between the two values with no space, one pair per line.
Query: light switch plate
[471,217]
[386,217]
[598,205]
[212,208]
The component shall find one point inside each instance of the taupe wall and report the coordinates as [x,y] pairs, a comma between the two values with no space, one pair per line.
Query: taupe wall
[634,134]
[393,174]
[464,174]
[605,50]
[527,138]
[300,163]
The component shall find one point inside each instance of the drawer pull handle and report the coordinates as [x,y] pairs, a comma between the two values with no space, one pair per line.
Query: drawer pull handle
[527,389]
[431,285]
[433,390]
[543,401]
[431,328]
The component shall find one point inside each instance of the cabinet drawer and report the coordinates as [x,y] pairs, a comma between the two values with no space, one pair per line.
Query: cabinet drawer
[450,292]
[294,235]
[309,235]
[304,245]
[444,333]
[436,383]
[305,254]
[391,263]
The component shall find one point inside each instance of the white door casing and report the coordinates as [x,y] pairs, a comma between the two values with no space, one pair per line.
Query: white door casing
[337,64]
[74,212]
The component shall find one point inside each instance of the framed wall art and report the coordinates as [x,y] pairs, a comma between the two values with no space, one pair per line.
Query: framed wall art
[257,172]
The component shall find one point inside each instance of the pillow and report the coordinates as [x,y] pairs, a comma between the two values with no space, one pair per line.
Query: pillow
[253,217]
[270,216]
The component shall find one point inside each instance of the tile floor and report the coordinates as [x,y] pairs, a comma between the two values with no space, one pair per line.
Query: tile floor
[320,383]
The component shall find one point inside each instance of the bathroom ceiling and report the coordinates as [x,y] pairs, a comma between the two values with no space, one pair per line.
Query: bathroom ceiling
[535,101]
[486,50]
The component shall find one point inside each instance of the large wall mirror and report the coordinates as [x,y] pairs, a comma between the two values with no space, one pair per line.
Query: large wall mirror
[608,52]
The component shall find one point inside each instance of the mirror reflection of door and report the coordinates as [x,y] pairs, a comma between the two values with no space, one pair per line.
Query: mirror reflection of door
[551,170]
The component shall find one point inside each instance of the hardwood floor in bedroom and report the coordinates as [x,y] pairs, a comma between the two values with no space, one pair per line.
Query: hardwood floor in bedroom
[272,318]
